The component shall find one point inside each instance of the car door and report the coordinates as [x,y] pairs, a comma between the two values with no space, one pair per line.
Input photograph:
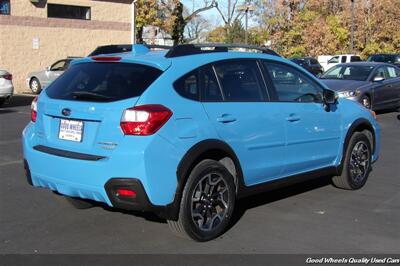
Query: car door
[312,132]
[54,72]
[234,97]
[386,90]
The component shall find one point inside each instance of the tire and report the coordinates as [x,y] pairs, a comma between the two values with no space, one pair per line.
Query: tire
[356,165]
[35,86]
[214,213]
[79,203]
[2,101]
[366,101]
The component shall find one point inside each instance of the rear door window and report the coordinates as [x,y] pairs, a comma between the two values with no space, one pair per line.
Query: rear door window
[103,82]
[240,81]
[344,59]
[355,59]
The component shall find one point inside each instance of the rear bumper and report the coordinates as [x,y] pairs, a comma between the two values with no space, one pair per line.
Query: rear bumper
[76,175]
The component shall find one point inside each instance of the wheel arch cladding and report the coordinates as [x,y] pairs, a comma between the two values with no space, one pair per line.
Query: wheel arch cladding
[358,125]
[207,149]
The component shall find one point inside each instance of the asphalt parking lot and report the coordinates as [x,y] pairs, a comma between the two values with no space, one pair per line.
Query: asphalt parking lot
[313,217]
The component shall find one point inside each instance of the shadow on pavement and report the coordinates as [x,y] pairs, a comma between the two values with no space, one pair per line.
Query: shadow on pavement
[275,195]
[19,100]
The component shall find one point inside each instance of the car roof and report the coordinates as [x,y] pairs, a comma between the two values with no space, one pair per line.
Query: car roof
[365,63]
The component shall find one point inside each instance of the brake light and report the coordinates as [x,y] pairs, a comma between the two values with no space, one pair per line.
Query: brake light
[34,109]
[144,120]
[106,58]
[6,76]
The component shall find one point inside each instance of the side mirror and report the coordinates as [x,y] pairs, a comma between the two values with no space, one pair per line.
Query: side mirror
[378,79]
[48,68]
[330,97]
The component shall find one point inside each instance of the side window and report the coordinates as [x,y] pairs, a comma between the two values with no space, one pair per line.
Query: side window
[392,73]
[4,7]
[314,61]
[381,72]
[188,86]
[334,60]
[355,59]
[344,59]
[291,85]
[240,81]
[58,66]
[210,88]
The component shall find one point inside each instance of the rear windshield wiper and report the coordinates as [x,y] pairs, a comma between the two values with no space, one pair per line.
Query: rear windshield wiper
[85,95]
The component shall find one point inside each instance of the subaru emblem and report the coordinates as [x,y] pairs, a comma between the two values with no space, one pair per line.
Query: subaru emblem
[66,112]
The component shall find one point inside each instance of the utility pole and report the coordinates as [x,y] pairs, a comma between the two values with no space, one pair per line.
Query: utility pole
[352,27]
[133,22]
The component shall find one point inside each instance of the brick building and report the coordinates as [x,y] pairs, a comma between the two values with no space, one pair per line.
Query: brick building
[36,33]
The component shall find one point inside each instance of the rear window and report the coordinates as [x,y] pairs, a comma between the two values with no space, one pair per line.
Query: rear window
[103,82]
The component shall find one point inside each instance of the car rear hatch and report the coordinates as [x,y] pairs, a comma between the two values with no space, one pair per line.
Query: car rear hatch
[80,113]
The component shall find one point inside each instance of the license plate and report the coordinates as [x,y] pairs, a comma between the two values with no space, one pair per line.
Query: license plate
[71,130]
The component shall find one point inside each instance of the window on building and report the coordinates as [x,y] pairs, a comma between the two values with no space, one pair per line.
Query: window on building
[4,7]
[67,11]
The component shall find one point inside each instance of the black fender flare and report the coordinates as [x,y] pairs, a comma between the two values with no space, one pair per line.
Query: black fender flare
[194,155]
[358,125]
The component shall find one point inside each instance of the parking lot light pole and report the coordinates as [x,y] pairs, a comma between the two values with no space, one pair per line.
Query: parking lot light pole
[133,22]
[246,9]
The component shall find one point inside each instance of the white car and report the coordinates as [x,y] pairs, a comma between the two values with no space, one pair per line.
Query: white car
[6,86]
[337,59]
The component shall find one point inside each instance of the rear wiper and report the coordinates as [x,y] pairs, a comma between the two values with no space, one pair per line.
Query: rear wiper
[85,95]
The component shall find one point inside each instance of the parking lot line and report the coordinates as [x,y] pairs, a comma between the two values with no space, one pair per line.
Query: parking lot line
[10,162]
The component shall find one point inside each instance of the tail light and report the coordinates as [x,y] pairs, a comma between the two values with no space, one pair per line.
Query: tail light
[6,76]
[34,109]
[144,120]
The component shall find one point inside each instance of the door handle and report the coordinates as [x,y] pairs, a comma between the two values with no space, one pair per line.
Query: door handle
[293,118]
[226,118]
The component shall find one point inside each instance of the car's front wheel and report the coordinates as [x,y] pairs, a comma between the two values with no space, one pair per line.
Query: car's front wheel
[207,202]
[2,101]
[35,86]
[357,163]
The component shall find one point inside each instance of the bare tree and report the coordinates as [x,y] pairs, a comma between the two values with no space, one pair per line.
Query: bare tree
[175,9]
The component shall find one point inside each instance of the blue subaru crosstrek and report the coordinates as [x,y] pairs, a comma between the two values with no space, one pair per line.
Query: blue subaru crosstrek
[185,132]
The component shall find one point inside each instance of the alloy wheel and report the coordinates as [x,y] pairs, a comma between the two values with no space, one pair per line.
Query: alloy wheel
[209,202]
[359,162]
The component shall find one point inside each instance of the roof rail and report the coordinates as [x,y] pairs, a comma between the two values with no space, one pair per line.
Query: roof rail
[156,46]
[192,49]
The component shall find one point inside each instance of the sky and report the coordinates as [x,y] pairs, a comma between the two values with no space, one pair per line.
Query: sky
[211,15]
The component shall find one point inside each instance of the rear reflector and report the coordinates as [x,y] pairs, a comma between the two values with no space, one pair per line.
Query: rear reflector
[124,192]
[144,120]
[34,109]
[106,58]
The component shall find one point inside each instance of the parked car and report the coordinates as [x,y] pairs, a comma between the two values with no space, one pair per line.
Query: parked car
[6,87]
[310,64]
[340,59]
[385,58]
[374,85]
[185,132]
[36,81]
[111,49]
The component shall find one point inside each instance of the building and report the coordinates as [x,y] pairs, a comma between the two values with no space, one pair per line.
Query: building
[36,33]
[155,35]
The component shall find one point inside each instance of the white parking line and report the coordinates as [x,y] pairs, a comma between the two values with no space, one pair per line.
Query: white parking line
[11,162]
